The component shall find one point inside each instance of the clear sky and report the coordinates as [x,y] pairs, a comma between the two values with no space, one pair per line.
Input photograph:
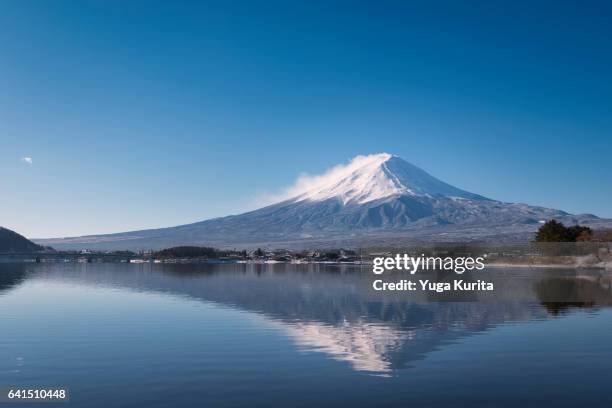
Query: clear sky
[134,114]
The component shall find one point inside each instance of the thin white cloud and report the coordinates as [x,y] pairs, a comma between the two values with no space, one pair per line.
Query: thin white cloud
[306,182]
[27,159]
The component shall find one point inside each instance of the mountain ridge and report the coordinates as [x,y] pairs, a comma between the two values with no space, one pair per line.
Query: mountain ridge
[11,242]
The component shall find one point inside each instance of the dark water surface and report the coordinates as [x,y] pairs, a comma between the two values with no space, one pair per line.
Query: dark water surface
[234,335]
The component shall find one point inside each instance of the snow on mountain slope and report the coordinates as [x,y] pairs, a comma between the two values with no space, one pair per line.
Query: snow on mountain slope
[360,181]
[374,177]
[378,196]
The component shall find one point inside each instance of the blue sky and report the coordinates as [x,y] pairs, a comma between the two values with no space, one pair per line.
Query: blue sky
[147,114]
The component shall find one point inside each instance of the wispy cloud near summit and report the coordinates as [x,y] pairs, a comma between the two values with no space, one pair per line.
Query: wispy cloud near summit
[307,182]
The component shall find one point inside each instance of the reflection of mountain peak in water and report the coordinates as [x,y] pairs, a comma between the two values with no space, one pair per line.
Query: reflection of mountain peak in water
[319,310]
[381,346]
[364,345]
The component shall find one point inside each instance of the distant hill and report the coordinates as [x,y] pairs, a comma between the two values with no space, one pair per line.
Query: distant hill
[11,241]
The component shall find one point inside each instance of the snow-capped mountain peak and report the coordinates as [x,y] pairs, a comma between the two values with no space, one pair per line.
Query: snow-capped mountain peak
[370,199]
[374,177]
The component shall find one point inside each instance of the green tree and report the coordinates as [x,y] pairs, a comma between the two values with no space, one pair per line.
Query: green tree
[579,233]
[554,231]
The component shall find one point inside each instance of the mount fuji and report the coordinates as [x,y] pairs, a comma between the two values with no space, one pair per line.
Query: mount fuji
[372,198]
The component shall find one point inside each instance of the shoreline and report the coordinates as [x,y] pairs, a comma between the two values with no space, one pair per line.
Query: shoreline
[548,265]
[42,260]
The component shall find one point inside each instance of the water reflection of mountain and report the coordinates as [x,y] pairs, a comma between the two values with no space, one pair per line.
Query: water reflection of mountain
[326,309]
[11,275]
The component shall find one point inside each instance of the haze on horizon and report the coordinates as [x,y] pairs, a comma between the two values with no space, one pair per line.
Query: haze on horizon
[124,116]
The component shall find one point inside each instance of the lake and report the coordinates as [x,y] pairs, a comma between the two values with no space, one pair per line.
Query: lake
[244,335]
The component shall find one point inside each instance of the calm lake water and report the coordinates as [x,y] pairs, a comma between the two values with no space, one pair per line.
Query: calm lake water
[120,335]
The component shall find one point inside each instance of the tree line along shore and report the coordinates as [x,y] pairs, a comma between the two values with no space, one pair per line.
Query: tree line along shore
[554,244]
